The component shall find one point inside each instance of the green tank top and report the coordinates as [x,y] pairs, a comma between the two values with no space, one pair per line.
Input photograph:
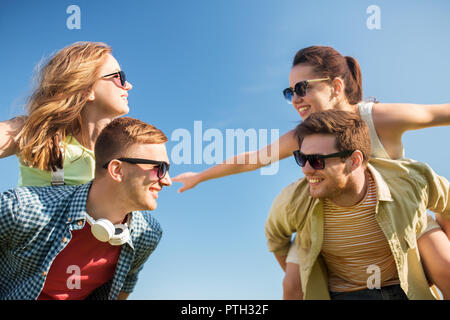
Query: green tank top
[79,167]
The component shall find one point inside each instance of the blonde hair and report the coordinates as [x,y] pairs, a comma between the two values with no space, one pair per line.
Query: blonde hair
[54,108]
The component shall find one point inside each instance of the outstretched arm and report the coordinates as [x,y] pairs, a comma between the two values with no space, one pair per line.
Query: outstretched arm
[392,120]
[248,161]
[8,132]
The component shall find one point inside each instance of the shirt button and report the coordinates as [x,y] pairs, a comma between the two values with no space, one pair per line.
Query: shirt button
[44,273]
[80,223]
[70,219]
[64,239]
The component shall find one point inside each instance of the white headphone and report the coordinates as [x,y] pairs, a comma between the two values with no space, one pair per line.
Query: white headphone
[103,230]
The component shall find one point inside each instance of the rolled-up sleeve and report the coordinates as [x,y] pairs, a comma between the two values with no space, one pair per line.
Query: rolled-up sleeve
[154,237]
[438,192]
[279,227]
[9,206]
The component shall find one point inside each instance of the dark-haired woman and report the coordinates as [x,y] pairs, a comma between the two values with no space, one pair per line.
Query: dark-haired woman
[320,79]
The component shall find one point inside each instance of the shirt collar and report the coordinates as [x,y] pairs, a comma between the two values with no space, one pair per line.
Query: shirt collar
[383,192]
[77,210]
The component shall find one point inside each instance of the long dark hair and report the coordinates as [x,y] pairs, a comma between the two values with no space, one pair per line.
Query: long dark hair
[327,62]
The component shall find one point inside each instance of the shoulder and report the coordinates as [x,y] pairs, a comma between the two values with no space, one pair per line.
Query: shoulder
[40,195]
[147,231]
[29,210]
[43,201]
[384,115]
[409,170]
[365,107]
[294,196]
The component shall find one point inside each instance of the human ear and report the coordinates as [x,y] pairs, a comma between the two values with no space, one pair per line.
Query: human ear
[115,170]
[356,160]
[91,96]
[338,86]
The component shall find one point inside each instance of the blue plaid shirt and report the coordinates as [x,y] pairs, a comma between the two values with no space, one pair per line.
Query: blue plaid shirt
[36,224]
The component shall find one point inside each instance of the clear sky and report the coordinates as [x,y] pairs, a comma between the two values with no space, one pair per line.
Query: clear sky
[225,63]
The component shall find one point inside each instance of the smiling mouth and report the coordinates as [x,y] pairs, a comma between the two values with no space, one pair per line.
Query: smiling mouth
[154,192]
[303,109]
[314,181]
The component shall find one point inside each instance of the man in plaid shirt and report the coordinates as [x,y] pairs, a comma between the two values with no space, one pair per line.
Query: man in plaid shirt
[88,241]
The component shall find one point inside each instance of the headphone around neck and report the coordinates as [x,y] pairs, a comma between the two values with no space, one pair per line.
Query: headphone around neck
[104,231]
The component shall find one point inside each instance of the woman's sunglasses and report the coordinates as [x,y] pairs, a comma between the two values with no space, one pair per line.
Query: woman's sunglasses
[120,75]
[317,161]
[299,89]
[163,167]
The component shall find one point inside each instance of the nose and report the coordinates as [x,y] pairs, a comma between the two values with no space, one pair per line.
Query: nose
[128,85]
[166,181]
[307,169]
[296,99]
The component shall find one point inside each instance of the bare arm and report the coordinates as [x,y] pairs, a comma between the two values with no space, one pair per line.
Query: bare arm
[393,119]
[244,162]
[281,260]
[8,131]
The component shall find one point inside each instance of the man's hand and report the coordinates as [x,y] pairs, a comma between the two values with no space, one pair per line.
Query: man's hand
[123,295]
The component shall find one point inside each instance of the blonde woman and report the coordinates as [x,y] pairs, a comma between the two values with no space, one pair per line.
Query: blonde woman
[79,91]
[321,79]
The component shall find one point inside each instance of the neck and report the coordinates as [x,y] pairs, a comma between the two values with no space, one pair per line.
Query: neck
[104,201]
[344,105]
[92,124]
[354,192]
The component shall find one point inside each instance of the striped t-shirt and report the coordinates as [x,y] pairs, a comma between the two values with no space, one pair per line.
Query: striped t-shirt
[354,246]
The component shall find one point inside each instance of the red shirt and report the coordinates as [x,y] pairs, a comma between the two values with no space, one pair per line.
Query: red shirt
[82,266]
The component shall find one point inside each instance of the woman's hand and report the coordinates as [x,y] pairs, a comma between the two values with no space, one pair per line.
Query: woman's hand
[189,179]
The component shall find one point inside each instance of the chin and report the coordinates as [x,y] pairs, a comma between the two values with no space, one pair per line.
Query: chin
[318,194]
[124,111]
[146,206]
[121,108]
[151,206]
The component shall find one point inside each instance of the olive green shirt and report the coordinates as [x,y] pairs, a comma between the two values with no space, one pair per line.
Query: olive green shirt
[405,190]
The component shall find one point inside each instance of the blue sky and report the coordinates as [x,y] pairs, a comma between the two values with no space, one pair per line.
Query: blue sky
[225,63]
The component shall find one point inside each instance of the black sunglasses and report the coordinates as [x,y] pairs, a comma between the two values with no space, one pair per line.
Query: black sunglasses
[163,167]
[317,161]
[122,77]
[299,89]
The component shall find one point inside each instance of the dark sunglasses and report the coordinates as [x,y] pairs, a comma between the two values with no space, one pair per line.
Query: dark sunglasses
[163,167]
[299,89]
[122,77]
[317,161]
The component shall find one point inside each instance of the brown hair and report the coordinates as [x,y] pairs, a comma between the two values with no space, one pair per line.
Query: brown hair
[351,132]
[120,134]
[327,62]
[54,108]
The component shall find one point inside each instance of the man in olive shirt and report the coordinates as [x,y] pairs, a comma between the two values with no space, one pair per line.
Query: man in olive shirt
[353,217]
